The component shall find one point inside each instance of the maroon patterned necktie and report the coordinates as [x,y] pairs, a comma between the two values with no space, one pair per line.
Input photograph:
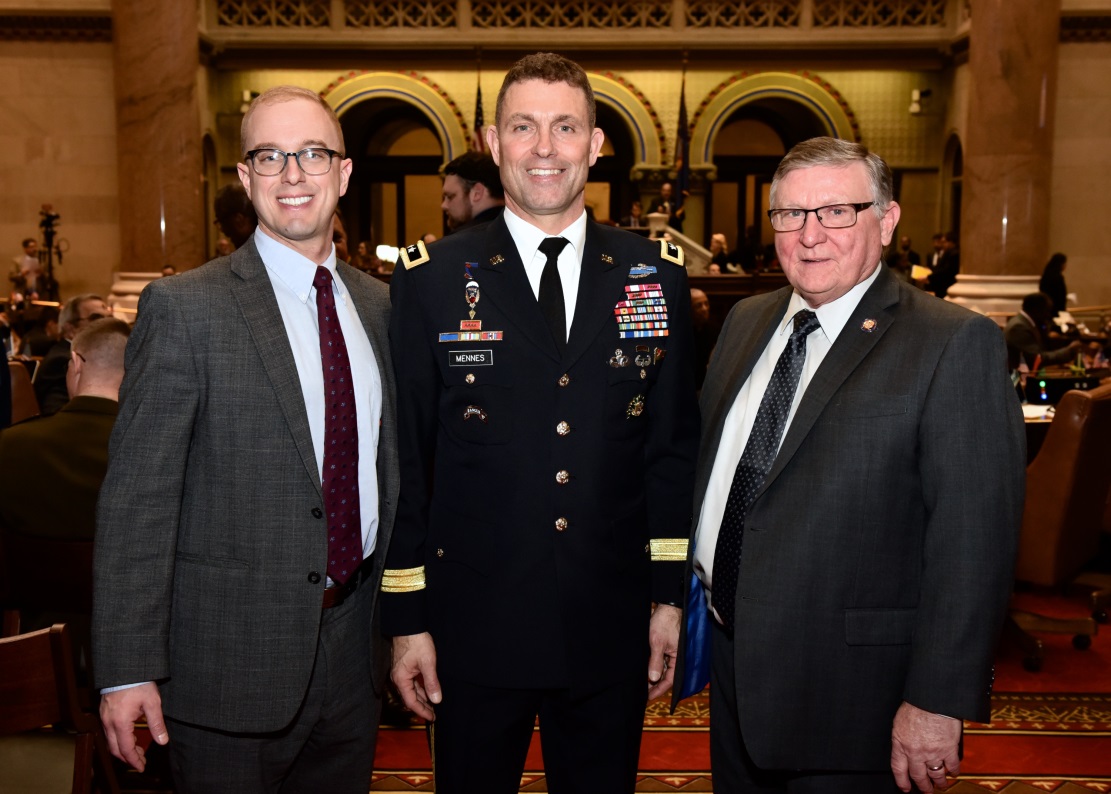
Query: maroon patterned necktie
[340,478]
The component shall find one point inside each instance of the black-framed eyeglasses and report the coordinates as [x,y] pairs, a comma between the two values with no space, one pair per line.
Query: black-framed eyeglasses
[313,160]
[832,216]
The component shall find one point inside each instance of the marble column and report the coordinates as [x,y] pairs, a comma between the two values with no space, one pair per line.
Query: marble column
[156,60]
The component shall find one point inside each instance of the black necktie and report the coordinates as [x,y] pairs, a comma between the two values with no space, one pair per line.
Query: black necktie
[340,477]
[756,461]
[551,291]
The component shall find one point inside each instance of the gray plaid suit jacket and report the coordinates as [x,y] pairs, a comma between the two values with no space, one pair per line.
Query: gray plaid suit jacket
[210,552]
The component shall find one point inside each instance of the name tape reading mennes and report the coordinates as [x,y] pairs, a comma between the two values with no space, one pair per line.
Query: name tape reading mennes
[470,358]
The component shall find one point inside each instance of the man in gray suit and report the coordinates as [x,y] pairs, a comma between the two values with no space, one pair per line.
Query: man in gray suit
[249,499]
[858,500]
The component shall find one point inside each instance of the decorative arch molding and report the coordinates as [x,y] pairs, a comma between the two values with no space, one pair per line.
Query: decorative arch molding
[743,88]
[647,133]
[411,87]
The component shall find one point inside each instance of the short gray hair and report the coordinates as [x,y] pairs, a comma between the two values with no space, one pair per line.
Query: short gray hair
[838,153]
[69,313]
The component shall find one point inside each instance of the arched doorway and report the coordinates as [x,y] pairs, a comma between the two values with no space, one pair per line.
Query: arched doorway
[741,131]
[746,153]
[394,195]
[609,191]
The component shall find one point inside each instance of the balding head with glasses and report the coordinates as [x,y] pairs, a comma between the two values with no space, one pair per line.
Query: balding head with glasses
[833,212]
[294,168]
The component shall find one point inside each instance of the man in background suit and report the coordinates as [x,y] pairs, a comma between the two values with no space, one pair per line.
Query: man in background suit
[857,547]
[547,460]
[55,464]
[217,577]
[472,191]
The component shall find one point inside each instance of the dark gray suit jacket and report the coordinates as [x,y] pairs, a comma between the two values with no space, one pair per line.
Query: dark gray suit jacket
[878,554]
[210,548]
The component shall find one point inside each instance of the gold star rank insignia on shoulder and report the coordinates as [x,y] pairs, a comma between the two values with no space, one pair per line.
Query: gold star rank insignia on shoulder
[670,252]
[414,255]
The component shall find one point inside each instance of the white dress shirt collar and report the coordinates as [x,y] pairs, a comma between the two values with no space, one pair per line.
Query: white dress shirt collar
[295,270]
[833,315]
[528,237]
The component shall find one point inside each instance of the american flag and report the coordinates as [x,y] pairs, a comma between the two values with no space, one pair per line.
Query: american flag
[478,136]
[682,149]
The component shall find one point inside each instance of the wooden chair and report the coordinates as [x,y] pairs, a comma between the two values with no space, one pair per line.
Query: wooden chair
[1066,496]
[37,689]
[24,402]
[51,578]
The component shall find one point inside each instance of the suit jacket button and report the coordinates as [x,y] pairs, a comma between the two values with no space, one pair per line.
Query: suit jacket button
[563,476]
[317,513]
[314,577]
[563,428]
[564,380]
[560,524]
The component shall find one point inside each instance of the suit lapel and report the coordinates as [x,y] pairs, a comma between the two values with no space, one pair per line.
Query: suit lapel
[600,283]
[255,296]
[741,360]
[852,346]
[503,283]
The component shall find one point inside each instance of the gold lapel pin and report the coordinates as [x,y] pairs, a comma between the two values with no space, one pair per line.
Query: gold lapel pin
[497,259]
[868,325]
[607,259]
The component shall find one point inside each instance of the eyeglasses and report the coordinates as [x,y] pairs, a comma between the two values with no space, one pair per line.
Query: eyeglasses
[833,216]
[314,161]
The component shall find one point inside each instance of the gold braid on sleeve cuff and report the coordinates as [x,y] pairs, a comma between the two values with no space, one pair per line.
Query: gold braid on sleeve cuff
[669,549]
[403,580]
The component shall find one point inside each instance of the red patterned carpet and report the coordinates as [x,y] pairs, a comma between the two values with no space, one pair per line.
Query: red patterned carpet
[1050,731]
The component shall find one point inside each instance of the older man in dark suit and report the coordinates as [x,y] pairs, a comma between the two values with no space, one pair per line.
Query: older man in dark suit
[858,499]
[250,494]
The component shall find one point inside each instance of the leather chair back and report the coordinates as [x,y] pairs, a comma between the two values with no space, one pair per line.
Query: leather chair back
[24,402]
[1067,490]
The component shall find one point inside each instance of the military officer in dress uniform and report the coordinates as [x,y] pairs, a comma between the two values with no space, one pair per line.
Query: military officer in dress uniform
[548,434]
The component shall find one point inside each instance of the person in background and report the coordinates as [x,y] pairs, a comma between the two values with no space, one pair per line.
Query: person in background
[1028,336]
[706,333]
[235,215]
[860,496]
[50,380]
[168,270]
[472,191]
[946,268]
[1052,282]
[666,204]
[54,465]
[635,218]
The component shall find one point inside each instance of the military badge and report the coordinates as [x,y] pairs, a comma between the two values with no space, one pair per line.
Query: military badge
[414,255]
[474,410]
[641,271]
[636,407]
[619,359]
[472,295]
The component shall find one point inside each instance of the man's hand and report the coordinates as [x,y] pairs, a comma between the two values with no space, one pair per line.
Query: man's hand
[120,709]
[924,748]
[414,673]
[663,640]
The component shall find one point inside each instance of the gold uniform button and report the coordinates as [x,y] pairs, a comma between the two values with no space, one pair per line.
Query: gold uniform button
[469,378]
[439,552]
[564,380]
[563,476]
[563,428]
[560,524]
